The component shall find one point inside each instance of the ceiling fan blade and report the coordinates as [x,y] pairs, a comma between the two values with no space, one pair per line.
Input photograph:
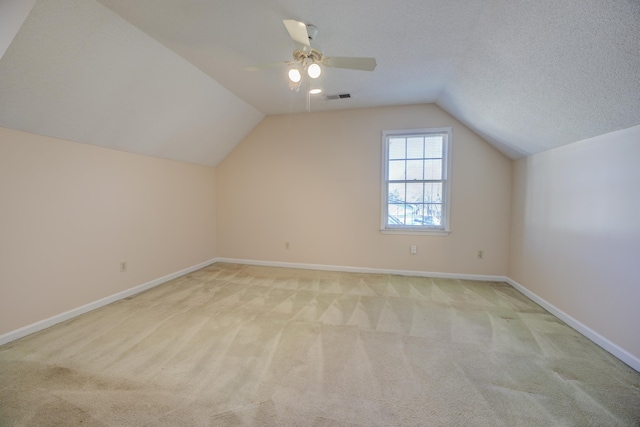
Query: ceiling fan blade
[265,66]
[298,31]
[363,64]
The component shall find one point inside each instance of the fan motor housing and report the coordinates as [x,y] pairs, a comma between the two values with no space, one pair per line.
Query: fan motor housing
[313,54]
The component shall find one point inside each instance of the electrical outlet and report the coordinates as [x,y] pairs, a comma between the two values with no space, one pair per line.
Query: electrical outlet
[480,254]
[414,249]
[123,266]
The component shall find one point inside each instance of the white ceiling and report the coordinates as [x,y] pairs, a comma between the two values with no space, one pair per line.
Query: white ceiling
[78,71]
[526,75]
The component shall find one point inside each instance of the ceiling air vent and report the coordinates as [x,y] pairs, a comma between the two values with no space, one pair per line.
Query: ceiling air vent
[339,96]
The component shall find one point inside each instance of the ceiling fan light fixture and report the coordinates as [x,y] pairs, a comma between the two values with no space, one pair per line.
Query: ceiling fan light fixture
[310,59]
[314,71]
[294,75]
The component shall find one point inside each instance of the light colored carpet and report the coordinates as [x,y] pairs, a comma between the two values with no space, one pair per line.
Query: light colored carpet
[244,345]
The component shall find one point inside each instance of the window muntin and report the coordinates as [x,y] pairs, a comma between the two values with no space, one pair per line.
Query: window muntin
[415,187]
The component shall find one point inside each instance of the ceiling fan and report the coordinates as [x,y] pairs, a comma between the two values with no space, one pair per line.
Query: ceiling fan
[309,59]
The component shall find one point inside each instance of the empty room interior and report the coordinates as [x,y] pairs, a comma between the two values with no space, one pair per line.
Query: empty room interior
[307,213]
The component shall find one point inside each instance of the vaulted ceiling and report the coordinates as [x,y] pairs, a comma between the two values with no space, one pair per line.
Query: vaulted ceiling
[166,77]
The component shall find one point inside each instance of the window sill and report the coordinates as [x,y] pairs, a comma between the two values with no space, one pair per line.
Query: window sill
[414,232]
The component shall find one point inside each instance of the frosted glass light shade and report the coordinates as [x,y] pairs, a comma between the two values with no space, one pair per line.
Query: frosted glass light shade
[314,71]
[294,75]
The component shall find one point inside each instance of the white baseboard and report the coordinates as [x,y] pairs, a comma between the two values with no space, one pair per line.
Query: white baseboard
[592,335]
[58,318]
[347,269]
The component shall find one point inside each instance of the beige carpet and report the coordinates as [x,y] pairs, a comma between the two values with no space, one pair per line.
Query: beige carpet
[243,345]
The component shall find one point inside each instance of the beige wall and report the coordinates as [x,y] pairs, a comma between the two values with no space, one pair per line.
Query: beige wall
[70,213]
[314,180]
[575,233]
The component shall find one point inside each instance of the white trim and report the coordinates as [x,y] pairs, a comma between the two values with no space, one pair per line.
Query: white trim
[589,333]
[348,269]
[58,318]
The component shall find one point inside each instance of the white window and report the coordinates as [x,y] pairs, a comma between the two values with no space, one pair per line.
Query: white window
[415,188]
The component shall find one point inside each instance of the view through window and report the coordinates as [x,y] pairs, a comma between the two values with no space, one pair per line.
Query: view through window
[415,187]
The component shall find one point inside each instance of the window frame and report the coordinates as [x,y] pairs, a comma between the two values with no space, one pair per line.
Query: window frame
[442,230]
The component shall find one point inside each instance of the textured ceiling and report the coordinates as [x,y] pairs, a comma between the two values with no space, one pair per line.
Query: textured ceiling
[526,75]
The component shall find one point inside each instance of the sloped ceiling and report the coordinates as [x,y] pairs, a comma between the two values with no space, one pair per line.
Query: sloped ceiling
[166,77]
[78,71]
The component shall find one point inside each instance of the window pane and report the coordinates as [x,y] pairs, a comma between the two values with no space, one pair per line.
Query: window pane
[415,169]
[433,169]
[416,217]
[433,192]
[433,147]
[396,214]
[397,148]
[434,213]
[396,193]
[422,216]
[415,192]
[397,209]
[396,170]
[415,148]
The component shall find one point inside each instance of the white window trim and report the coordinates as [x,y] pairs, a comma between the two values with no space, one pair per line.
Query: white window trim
[446,203]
